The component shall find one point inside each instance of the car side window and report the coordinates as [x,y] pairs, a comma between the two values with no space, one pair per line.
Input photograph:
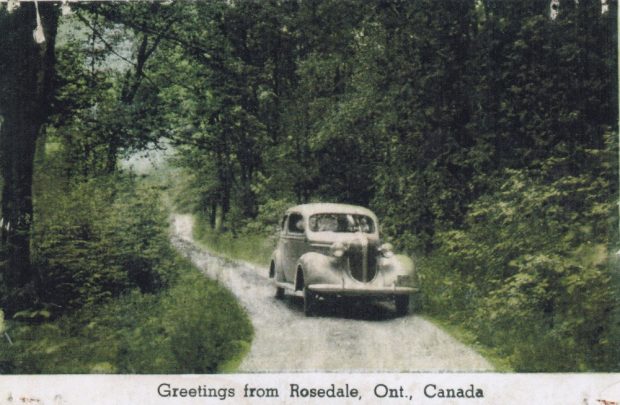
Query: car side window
[283,222]
[295,223]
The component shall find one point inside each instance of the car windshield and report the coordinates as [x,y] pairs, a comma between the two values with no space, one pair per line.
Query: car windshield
[341,223]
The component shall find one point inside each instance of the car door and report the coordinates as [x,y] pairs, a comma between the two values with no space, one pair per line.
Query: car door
[294,244]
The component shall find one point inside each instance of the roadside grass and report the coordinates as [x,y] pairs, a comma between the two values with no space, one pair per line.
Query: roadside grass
[467,337]
[252,248]
[193,327]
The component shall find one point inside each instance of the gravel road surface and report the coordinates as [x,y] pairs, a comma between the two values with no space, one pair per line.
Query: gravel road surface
[347,337]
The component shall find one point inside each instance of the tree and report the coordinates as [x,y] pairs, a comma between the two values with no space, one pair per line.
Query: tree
[108,104]
[27,70]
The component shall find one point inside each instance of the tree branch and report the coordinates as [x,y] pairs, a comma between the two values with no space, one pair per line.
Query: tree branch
[139,70]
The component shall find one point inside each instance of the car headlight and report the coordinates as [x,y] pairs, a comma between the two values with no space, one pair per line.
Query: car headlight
[337,249]
[387,250]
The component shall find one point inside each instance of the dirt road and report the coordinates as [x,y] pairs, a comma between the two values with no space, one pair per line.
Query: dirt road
[342,338]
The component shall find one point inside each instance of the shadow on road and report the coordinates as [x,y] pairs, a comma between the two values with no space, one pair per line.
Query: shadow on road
[345,308]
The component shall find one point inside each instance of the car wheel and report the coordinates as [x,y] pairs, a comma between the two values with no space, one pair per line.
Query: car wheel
[309,302]
[279,293]
[402,304]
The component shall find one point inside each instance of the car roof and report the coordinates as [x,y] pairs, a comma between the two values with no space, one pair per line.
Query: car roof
[331,208]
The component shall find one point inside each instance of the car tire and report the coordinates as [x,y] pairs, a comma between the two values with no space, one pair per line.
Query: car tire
[402,305]
[279,293]
[309,302]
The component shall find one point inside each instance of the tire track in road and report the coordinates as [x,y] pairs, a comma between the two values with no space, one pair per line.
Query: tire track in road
[347,337]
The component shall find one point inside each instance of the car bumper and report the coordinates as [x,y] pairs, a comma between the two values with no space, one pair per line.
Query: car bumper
[352,291]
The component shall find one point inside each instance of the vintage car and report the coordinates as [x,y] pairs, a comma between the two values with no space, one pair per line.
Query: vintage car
[333,250]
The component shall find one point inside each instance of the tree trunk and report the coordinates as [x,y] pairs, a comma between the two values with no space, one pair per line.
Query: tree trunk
[26,69]
[212,214]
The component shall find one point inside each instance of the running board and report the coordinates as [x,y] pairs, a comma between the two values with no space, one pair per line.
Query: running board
[290,288]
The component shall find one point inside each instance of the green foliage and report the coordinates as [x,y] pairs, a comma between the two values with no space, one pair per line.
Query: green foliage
[194,327]
[116,299]
[101,110]
[246,245]
[205,324]
[269,219]
[531,271]
[97,239]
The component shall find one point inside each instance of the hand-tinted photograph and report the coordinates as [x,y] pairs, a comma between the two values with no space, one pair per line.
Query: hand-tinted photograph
[238,186]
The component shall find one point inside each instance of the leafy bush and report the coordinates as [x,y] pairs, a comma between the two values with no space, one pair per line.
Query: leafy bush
[97,239]
[195,327]
[530,272]
[205,325]
[249,246]
[269,217]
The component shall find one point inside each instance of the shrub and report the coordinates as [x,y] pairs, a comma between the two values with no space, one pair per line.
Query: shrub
[205,324]
[194,327]
[269,217]
[530,272]
[98,239]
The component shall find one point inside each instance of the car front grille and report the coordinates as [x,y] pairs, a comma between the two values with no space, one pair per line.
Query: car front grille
[355,255]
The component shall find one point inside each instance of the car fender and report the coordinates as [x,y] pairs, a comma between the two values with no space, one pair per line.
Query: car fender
[397,265]
[318,268]
[405,264]
[277,263]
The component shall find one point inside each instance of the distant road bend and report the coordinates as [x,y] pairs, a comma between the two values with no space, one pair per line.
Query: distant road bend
[368,338]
